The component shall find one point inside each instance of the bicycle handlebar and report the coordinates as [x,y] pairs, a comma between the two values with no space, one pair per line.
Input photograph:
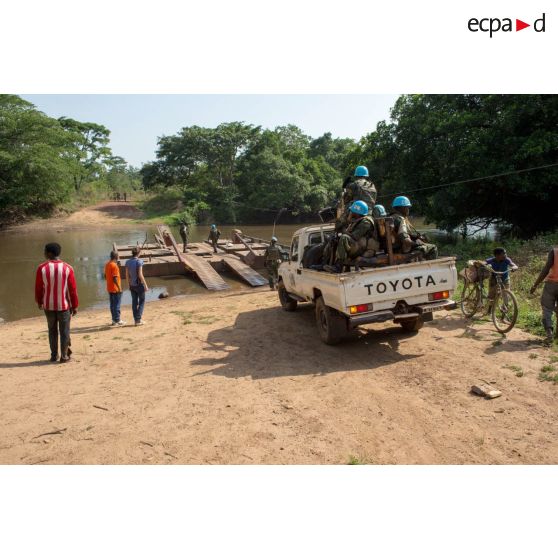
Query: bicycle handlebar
[501,272]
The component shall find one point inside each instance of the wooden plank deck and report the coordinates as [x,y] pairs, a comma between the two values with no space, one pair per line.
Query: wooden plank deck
[197,265]
[245,272]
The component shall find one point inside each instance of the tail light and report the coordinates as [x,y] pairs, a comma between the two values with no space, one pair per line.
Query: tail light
[360,308]
[441,295]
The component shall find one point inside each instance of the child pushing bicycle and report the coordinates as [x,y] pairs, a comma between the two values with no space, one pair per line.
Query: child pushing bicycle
[503,265]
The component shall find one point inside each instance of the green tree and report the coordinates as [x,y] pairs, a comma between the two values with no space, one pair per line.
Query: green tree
[35,169]
[91,149]
[202,162]
[277,171]
[334,151]
[441,139]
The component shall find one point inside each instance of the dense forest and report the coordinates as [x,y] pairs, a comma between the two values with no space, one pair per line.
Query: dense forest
[46,163]
[467,161]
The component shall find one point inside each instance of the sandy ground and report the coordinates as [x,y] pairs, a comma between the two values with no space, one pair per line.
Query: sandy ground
[108,213]
[234,379]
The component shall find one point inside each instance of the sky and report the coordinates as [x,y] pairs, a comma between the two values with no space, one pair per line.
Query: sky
[136,121]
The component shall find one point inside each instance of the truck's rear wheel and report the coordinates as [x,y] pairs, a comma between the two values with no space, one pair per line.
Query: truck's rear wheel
[289,304]
[332,326]
[414,324]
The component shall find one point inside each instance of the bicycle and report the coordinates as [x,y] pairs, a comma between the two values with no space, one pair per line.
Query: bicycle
[503,309]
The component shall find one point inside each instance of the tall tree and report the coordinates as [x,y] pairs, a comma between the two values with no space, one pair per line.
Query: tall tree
[35,173]
[91,148]
[334,151]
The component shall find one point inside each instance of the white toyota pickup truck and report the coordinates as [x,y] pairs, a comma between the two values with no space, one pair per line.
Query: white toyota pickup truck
[406,294]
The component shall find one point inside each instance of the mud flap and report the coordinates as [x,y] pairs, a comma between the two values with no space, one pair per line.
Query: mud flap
[427,316]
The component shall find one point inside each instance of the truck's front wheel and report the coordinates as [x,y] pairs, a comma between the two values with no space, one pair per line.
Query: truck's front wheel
[289,304]
[411,325]
[332,326]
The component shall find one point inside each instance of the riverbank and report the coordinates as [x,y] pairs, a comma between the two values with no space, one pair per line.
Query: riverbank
[530,255]
[103,214]
[234,379]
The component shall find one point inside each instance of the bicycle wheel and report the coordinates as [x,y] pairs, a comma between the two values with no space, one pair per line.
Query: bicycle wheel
[470,299]
[504,311]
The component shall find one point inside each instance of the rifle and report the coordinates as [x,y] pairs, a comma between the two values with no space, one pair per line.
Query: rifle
[327,214]
[414,234]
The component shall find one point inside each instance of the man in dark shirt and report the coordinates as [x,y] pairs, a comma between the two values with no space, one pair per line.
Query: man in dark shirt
[549,297]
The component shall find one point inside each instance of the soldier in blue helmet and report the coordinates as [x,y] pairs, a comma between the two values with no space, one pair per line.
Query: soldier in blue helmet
[358,187]
[358,238]
[407,238]
[214,234]
[379,211]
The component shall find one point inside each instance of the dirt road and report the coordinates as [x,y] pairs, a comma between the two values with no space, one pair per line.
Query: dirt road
[234,379]
[107,213]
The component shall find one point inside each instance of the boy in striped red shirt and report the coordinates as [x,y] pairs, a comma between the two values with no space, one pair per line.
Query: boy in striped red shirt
[56,294]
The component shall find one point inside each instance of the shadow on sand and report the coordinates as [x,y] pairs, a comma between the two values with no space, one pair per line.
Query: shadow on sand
[269,342]
[27,364]
[91,329]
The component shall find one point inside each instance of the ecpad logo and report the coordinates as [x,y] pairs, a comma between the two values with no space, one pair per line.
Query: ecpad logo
[492,25]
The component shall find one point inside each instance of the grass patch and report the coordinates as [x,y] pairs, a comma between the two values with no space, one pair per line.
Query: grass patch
[171,205]
[547,374]
[162,205]
[191,318]
[533,356]
[514,368]
[356,460]
[186,316]
[553,359]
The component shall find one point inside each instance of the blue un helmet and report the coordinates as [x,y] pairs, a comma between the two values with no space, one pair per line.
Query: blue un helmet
[401,201]
[379,211]
[359,207]
[361,171]
[273,239]
[213,226]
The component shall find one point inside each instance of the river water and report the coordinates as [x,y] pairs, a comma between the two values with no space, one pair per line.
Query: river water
[87,251]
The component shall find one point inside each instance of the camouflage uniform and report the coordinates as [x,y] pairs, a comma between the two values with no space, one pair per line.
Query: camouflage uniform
[214,235]
[272,260]
[184,235]
[359,188]
[353,242]
[405,239]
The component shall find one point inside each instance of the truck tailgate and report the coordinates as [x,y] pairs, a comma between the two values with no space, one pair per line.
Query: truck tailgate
[384,286]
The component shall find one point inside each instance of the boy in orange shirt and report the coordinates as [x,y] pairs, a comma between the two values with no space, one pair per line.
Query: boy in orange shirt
[114,288]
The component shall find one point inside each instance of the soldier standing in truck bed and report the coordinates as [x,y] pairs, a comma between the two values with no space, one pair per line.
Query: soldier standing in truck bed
[358,238]
[407,238]
[358,188]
